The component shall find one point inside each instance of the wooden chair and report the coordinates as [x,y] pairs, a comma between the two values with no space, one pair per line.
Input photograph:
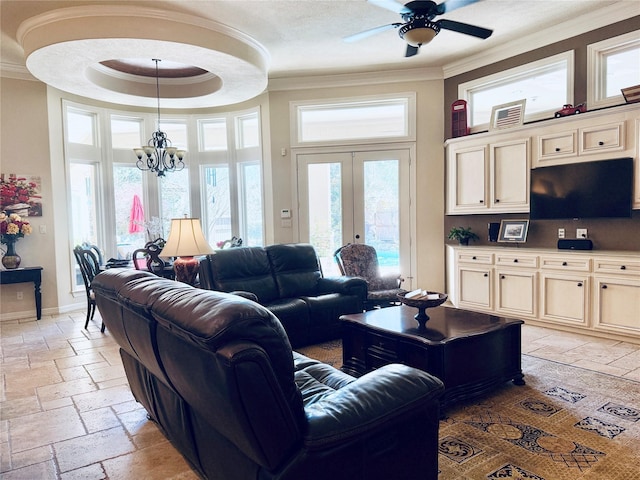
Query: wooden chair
[359,260]
[149,257]
[89,268]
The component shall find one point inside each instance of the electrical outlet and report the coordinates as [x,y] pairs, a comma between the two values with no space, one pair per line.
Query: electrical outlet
[20,295]
[581,233]
[561,233]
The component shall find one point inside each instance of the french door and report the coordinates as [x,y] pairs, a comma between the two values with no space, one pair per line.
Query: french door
[357,197]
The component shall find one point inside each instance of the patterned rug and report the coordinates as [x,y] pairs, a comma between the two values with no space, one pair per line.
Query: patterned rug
[566,423]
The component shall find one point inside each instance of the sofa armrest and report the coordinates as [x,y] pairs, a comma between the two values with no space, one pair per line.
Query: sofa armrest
[247,295]
[345,285]
[379,398]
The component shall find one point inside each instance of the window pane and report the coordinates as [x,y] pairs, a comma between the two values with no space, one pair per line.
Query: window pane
[248,135]
[544,89]
[84,210]
[622,70]
[213,134]
[125,133]
[217,204]
[325,209]
[353,121]
[381,212]
[176,132]
[129,209]
[251,201]
[174,197]
[81,127]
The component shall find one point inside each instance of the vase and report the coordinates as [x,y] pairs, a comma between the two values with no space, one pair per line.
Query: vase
[11,259]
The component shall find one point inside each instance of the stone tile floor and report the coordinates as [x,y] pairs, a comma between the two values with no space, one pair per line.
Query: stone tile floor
[66,411]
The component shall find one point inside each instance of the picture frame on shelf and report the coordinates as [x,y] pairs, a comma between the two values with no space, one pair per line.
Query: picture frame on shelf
[513,231]
[507,115]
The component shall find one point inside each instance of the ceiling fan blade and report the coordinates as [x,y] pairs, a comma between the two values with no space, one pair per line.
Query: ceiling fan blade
[411,51]
[465,28]
[367,33]
[391,5]
[451,5]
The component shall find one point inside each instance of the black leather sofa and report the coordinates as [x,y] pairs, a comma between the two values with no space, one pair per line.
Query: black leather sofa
[217,373]
[287,279]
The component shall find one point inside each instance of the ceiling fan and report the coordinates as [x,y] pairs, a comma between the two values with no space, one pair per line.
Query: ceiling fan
[419,28]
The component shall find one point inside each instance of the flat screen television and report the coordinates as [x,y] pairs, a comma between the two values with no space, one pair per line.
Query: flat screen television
[582,190]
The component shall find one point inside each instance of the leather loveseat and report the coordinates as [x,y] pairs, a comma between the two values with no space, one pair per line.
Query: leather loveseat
[217,373]
[286,278]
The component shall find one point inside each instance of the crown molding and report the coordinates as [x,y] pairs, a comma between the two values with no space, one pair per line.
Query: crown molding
[354,79]
[571,28]
[18,72]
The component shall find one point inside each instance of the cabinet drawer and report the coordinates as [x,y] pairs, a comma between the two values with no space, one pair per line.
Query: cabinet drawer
[481,258]
[517,260]
[558,145]
[382,346]
[574,264]
[618,266]
[602,137]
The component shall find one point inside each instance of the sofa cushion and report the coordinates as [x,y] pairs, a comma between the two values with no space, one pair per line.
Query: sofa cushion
[296,269]
[245,268]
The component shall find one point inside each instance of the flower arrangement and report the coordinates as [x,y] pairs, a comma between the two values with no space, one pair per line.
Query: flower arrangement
[12,228]
[232,242]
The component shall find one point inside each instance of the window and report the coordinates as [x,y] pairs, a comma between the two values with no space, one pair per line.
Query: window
[546,85]
[350,122]
[612,64]
[119,208]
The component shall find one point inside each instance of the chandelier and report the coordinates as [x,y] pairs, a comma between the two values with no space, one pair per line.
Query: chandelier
[158,155]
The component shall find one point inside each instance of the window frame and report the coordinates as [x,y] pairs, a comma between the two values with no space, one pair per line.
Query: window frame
[597,72]
[466,90]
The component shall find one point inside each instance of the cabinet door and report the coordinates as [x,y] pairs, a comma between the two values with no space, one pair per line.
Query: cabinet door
[556,145]
[599,138]
[475,288]
[509,174]
[617,304]
[564,298]
[516,292]
[467,180]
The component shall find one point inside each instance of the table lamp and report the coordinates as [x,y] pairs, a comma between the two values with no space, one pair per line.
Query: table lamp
[186,240]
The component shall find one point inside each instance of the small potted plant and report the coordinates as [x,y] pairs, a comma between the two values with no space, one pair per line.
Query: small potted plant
[463,235]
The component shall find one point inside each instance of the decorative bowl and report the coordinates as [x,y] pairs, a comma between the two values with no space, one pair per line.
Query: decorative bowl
[421,302]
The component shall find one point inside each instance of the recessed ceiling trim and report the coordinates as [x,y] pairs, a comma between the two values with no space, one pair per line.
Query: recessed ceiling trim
[64,49]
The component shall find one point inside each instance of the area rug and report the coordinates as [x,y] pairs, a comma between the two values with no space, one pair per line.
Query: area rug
[565,423]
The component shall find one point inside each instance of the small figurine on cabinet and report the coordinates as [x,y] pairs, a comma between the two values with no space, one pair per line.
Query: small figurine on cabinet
[568,109]
[459,125]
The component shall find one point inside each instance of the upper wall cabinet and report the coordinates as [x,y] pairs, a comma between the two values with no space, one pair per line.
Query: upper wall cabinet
[488,174]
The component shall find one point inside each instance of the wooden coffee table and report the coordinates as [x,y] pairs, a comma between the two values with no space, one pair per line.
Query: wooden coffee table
[470,352]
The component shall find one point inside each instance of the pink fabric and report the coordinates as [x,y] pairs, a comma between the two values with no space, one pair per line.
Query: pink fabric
[136,219]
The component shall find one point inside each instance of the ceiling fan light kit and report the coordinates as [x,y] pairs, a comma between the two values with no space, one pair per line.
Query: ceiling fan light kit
[419,32]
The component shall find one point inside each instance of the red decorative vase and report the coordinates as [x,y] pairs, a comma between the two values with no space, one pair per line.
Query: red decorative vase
[11,259]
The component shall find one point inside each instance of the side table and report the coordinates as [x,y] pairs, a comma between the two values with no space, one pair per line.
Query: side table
[25,275]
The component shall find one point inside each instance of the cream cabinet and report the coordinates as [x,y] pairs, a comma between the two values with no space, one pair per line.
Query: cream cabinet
[488,176]
[591,292]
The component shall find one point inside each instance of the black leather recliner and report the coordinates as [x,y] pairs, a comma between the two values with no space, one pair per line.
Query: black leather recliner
[286,278]
[217,373]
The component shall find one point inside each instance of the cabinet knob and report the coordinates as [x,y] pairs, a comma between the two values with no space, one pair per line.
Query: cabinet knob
[579,284]
[497,200]
[474,258]
[601,143]
[604,286]
[502,277]
[486,274]
[564,264]
[515,260]
[481,201]
[557,149]
[623,267]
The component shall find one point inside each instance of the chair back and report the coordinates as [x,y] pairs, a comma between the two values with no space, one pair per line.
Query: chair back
[88,263]
[96,251]
[149,256]
[358,260]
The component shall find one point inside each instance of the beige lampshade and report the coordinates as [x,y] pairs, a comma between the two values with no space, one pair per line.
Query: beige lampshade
[186,239]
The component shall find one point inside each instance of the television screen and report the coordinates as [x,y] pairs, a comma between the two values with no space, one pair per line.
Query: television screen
[582,190]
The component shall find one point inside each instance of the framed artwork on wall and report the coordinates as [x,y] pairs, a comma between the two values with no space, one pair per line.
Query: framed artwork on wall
[507,115]
[513,231]
[20,194]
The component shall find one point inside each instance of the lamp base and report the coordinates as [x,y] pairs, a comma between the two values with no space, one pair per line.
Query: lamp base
[186,269]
